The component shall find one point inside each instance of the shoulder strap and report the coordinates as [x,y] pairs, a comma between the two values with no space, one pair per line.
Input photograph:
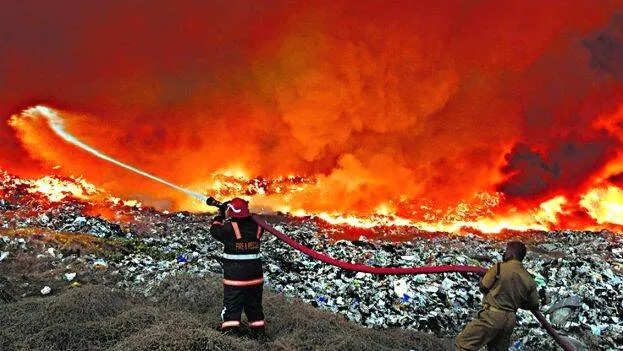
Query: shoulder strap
[236,230]
[497,277]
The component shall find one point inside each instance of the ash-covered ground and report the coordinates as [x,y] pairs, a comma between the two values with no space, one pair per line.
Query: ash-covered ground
[582,271]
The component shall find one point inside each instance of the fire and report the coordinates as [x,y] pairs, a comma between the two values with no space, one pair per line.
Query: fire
[484,212]
[330,109]
[230,184]
[604,204]
[52,188]
[56,189]
[542,219]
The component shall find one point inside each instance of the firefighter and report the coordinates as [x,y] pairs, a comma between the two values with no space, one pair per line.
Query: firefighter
[243,278]
[507,286]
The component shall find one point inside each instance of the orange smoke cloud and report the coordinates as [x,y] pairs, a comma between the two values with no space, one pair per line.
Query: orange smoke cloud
[377,102]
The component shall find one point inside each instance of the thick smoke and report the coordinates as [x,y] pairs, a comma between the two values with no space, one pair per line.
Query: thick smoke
[568,165]
[378,101]
[564,148]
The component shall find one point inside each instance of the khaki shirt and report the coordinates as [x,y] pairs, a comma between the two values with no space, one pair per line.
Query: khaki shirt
[514,289]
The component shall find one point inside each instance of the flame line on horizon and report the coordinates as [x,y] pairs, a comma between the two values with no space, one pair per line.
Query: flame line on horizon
[56,123]
[543,218]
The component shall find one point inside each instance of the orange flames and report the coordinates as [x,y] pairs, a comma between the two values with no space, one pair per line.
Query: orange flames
[462,116]
[603,205]
[484,214]
[57,189]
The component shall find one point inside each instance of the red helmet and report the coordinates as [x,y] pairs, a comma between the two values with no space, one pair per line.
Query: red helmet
[238,208]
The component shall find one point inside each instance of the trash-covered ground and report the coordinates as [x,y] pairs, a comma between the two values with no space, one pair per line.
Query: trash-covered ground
[582,271]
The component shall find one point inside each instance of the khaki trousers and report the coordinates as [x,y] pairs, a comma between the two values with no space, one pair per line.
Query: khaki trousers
[492,328]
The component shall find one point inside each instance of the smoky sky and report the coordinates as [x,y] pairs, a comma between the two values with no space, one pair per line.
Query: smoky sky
[568,146]
[377,100]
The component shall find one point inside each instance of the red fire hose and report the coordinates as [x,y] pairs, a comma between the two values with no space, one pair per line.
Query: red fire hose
[400,271]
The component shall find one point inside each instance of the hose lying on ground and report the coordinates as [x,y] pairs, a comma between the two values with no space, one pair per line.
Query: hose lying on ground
[400,271]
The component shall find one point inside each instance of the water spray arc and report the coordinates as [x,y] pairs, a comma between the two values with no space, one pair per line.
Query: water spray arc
[56,124]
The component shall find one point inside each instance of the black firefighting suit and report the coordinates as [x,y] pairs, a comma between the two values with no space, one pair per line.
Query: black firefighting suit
[243,278]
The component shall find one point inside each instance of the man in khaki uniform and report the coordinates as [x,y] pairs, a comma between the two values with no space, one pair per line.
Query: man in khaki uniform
[507,286]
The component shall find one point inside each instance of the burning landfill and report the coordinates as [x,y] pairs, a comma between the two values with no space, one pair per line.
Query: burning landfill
[582,271]
[380,133]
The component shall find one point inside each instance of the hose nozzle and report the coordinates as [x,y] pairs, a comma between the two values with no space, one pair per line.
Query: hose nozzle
[213,202]
[222,206]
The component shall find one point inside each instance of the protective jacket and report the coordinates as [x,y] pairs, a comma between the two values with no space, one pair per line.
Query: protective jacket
[509,287]
[242,265]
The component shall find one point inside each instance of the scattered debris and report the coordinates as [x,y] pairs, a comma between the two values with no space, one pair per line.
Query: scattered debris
[584,284]
[100,264]
[562,311]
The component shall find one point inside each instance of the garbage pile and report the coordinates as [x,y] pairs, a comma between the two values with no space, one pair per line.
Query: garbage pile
[581,271]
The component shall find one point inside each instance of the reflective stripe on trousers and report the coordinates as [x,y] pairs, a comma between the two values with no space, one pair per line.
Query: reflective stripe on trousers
[230,324]
[243,282]
[257,324]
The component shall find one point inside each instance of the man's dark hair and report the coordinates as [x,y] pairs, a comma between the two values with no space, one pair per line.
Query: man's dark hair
[515,250]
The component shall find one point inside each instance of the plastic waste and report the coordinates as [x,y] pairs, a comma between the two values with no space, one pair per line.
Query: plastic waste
[563,310]
[595,330]
[401,287]
[515,346]
[100,264]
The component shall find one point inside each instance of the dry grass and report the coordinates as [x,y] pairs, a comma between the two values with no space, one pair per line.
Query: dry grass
[184,316]
[66,243]
[186,293]
[296,326]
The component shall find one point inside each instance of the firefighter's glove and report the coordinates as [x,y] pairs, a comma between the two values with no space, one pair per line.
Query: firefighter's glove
[218,218]
[222,209]
[221,212]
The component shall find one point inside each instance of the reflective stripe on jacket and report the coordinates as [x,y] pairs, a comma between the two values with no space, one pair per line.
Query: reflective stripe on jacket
[241,240]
